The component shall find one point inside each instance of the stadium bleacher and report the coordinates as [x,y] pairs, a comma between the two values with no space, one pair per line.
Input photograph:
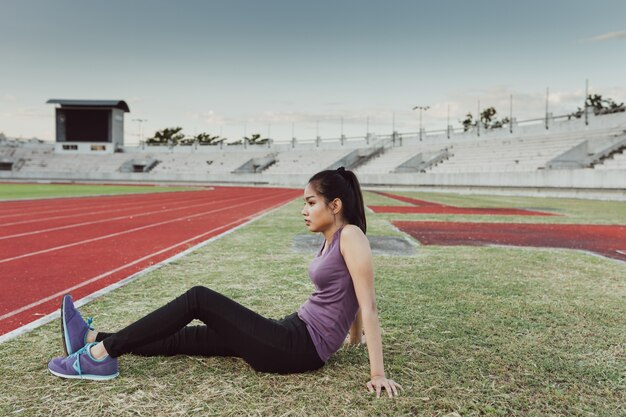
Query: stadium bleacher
[618,161]
[571,154]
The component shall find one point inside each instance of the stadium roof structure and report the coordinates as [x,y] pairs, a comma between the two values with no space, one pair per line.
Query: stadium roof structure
[120,104]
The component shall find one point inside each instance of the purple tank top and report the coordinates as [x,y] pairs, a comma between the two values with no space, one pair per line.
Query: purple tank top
[331,309]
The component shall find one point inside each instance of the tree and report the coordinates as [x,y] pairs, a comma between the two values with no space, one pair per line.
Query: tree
[500,123]
[167,136]
[207,139]
[255,139]
[599,106]
[487,119]
[468,123]
[487,116]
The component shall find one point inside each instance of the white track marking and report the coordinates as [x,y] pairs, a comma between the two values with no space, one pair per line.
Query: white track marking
[82,242]
[69,226]
[79,303]
[106,274]
[129,206]
[85,202]
[79,207]
[22,212]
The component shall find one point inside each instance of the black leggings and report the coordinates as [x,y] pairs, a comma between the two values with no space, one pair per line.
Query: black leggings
[279,346]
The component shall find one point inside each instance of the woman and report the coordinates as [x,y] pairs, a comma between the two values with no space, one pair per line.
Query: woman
[343,300]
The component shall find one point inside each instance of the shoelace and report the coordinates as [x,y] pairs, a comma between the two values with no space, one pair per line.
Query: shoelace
[89,321]
[76,364]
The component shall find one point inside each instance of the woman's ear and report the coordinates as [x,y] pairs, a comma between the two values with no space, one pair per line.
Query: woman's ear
[336,206]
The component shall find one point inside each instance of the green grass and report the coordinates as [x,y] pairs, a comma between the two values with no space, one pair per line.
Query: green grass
[18,191]
[476,331]
[568,210]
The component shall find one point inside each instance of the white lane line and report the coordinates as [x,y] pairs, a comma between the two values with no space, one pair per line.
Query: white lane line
[106,274]
[79,303]
[24,211]
[82,242]
[86,206]
[69,226]
[82,204]
[125,206]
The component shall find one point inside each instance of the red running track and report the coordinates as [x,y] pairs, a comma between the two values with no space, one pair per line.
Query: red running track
[427,207]
[606,240]
[81,245]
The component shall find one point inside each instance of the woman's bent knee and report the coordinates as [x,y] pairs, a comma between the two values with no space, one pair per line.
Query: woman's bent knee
[198,290]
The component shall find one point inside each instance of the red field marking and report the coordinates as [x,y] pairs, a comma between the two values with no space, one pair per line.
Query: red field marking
[606,240]
[413,201]
[426,207]
[458,210]
[36,270]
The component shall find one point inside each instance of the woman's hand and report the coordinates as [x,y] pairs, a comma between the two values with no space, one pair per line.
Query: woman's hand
[355,340]
[379,382]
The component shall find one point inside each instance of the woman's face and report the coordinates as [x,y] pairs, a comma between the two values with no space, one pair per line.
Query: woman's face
[318,216]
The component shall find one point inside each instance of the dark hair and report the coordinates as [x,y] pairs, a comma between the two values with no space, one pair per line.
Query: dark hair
[342,184]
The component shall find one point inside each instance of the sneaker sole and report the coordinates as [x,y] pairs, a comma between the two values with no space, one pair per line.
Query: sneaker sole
[66,348]
[85,376]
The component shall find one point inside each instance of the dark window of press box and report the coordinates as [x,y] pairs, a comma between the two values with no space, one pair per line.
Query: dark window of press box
[86,125]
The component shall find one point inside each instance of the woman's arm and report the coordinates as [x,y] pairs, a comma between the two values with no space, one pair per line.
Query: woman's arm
[356,331]
[357,254]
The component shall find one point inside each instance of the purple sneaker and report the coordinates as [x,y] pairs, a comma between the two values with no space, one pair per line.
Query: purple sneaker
[73,328]
[81,365]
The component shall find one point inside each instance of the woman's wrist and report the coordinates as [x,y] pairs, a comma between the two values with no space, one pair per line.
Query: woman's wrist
[377,372]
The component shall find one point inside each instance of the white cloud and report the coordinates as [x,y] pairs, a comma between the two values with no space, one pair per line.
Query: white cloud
[349,117]
[526,105]
[9,97]
[29,113]
[210,117]
[607,37]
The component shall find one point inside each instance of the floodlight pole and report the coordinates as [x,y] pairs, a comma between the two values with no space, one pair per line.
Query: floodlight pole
[585,106]
[421,108]
[547,98]
[511,115]
[140,128]
[448,123]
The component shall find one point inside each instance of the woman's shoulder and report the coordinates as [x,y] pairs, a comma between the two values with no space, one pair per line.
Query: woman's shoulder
[352,235]
[352,230]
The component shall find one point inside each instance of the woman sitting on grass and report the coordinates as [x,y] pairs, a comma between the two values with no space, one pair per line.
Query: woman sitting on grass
[343,301]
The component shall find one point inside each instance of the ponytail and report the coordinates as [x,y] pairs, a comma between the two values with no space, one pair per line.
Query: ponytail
[345,186]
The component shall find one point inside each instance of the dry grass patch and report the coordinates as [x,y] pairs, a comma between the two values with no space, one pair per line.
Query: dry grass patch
[473,331]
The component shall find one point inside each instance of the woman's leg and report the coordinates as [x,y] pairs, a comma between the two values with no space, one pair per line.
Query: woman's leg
[267,345]
[190,340]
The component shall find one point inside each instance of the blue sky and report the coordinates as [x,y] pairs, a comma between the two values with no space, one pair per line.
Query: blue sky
[236,67]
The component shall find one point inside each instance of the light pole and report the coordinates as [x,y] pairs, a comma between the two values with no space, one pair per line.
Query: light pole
[140,128]
[421,108]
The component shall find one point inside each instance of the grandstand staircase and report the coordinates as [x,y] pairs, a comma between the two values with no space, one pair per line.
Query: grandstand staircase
[139,165]
[256,165]
[615,150]
[423,160]
[586,155]
[357,157]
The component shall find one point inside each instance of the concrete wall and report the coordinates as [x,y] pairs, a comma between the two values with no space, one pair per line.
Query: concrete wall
[610,184]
